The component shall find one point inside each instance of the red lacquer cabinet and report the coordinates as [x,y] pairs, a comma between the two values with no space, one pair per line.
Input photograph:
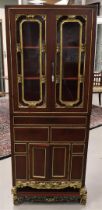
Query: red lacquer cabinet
[50,62]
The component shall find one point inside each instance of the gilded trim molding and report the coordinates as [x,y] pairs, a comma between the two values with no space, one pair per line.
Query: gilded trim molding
[82,197]
[49,184]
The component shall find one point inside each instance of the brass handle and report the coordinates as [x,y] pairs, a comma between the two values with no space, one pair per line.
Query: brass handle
[53,71]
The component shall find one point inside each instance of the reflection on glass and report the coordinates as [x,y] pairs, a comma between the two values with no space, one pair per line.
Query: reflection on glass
[69,90]
[31,62]
[70,62]
[32,90]
[30,33]
[71,32]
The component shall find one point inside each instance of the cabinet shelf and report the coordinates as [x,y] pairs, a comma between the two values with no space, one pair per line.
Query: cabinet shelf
[72,47]
[30,47]
[70,78]
[31,78]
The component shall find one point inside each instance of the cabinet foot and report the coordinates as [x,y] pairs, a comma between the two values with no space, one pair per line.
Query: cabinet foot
[83,196]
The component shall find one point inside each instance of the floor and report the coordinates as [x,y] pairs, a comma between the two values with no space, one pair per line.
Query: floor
[93,180]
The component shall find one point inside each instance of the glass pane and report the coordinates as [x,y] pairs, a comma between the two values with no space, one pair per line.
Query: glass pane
[31,59]
[31,90]
[69,90]
[98,58]
[82,66]
[71,32]
[30,33]
[70,62]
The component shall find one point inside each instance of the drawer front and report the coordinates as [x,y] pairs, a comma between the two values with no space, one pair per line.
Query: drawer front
[36,134]
[64,134]
[73,120]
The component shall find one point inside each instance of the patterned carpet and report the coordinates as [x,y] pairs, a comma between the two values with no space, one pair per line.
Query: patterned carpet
[5,144]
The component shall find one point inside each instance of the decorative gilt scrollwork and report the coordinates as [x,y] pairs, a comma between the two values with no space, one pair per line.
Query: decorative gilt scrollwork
[49,185]
[71,16]
[19,78]
[43,48]
[30,16]
[83,47]
[58,48]
[18,47]
[83,196]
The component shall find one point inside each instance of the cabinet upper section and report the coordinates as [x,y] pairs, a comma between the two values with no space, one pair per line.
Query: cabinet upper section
[50,57]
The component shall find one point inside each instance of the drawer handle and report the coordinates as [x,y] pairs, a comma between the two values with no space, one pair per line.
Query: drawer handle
[53,71]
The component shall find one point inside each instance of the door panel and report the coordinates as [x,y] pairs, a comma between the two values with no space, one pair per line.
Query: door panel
[76,167]
[38,161]
[31,60]
[70,59]
[60,161]
[20,167]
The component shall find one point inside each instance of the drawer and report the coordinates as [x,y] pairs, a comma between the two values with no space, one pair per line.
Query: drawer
[36,134]
[75,120]
[63,134]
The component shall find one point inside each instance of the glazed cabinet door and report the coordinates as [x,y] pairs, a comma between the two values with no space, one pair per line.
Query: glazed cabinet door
[31,60]
[73,61]
[28,74]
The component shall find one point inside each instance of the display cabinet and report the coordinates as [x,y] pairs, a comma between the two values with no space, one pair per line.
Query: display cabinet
[50,62]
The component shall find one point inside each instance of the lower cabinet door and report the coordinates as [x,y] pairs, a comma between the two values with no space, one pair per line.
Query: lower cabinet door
[38,161]
[56,162]
[20,167]
[60,162]
[49,162]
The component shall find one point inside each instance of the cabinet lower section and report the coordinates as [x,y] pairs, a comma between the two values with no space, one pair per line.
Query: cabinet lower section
[48,161]
[49,192]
